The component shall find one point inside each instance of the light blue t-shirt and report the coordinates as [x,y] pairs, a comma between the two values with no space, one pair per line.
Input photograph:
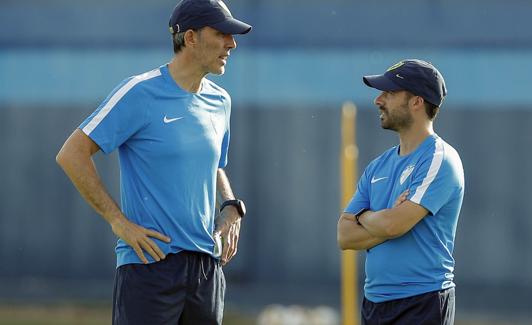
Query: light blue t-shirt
[170,143]
[421,260]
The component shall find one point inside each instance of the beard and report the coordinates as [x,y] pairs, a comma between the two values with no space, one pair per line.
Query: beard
[396,120]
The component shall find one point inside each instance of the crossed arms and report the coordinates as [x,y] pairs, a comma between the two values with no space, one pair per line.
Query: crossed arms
[378,226]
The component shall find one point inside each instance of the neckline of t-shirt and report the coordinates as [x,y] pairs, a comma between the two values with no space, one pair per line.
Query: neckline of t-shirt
[166,73]
[423,144]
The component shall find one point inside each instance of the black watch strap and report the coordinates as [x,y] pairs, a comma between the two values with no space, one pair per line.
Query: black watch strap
[359,213]
[238,204]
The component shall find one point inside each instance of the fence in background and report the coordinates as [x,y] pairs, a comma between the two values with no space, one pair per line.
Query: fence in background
[284,163]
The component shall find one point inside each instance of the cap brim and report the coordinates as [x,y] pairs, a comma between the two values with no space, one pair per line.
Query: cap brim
[381,82]
[232,26]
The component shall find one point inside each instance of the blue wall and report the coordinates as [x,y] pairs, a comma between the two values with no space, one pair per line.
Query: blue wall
[278,24]
[476,78]
[61,52]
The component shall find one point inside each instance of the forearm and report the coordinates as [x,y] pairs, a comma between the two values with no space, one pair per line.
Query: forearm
[350,235]
[227,224]
[80,168]
[75,157]
[379,224]
[223,187]
[224,192]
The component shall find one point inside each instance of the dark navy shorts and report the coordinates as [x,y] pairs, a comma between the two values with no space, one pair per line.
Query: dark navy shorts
[184,288]
[432,308]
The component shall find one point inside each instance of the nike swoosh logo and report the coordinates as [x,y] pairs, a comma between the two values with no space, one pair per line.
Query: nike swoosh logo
[399,76]
[169,120]
[375,180]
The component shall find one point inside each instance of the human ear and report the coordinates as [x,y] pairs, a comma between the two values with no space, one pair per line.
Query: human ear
[418,102]
[191,38]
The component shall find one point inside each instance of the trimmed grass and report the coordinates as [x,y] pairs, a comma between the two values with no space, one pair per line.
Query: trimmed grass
[54,315]
[69,314]
[78,315]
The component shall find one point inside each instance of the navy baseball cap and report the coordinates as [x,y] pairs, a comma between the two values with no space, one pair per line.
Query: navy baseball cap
[416,76]
[195,14]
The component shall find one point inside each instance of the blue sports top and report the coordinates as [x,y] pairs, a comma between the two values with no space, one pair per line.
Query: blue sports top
[421,260]
[170,144]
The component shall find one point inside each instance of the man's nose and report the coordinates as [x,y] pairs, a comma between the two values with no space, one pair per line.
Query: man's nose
[379,100]
[231,42]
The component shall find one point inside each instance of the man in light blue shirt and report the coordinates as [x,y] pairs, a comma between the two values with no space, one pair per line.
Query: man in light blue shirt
[406,207]
[171,128]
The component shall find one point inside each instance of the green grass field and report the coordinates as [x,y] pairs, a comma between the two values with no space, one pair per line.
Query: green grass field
[54,315]
[101,315]
[78,315]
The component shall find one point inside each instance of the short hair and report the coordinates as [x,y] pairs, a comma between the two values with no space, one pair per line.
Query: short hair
[178,40]
[431,110]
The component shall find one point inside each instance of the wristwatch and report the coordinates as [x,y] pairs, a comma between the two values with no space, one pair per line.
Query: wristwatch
[239,204]
[359,213]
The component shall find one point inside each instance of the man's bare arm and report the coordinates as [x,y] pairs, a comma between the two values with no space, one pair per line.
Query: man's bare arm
[351,235]
[394,222]
[228,222]
[75,157]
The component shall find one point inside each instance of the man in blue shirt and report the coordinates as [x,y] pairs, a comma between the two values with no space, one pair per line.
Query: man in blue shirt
[171,128]
[405,210]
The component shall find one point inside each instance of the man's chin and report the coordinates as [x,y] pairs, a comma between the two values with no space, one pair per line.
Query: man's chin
[385,126]
[219,71]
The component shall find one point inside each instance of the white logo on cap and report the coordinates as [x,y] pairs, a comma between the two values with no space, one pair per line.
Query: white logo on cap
[172,30]
[224,6]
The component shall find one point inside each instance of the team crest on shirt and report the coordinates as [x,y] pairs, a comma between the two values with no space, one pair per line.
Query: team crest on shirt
[404,175]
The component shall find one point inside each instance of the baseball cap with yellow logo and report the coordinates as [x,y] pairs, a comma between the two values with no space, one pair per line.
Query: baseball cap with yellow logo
[416,76]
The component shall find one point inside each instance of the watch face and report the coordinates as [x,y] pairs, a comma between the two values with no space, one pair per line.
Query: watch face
[242,207]
[238,204]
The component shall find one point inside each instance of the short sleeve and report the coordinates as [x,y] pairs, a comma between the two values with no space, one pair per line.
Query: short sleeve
[117,118]
[436,180]
[360,200]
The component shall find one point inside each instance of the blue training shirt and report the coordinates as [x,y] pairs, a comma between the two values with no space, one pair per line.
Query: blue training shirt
[171,144]
[421,260]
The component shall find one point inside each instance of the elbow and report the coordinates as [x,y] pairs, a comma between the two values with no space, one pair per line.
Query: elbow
[345,241]
[65,158]
[342,242]
[341,236]
[344,236]
[346,244]
[62,158]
